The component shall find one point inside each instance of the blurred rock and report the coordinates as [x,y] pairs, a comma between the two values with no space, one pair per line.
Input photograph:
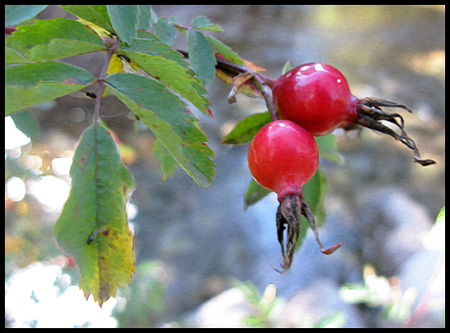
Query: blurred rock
[226,310]
[317,304]
[317,301]
[392,226]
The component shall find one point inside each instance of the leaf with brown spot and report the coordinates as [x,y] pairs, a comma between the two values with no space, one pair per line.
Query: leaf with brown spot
[93,226]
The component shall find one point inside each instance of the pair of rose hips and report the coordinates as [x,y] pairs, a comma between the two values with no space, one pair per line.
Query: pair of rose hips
[313,100]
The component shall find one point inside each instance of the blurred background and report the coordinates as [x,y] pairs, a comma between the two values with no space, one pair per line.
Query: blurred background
[204,261]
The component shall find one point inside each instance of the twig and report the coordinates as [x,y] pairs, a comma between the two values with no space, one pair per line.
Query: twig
[101,81]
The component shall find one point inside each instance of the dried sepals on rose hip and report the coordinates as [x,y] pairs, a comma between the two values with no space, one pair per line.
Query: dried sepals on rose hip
[317,97]
[283,157]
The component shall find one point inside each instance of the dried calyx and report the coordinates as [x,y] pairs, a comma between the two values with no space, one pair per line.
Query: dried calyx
[289,214]
[369,114]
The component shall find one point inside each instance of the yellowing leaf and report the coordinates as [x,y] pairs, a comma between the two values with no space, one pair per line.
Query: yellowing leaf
[93,227]
[251,65]
[99,30]
[115,65]
[122,64]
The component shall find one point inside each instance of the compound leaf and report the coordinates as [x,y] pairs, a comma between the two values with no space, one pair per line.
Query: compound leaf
[201,55]
[167,163]
[15,14]
[144,17]
[203,23]
[225,51]
[155,48]
[97,14]
[34,83]
[175,126]
[125,21]
[13,57]
[165,30]
[172,75]
[53,39]
[93,227]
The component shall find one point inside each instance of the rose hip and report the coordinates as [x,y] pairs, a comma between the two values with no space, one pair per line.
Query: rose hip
[283,157]
[317,97]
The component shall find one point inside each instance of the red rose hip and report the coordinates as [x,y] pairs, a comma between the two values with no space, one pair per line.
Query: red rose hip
[282,157]
[317,97]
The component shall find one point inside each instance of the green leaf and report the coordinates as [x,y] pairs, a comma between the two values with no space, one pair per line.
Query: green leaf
[54,39]
[34,83]
[153,16]
[14,44]
[13,57]
[245,129]
[27,123]
[173,76]
[124,19]
[62,48]
[225,50]
[93,227]
[327,147]
[203,23]
[167,163]
[28,75]
[96,14]
[201,55]
[314,193]
[165,30]
[177,24]
[147,35]
[15,14]
[254,193]
[174,125]
[155,48]
[144,15]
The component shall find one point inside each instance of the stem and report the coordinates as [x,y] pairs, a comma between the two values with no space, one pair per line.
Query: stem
[101,81]
[266,91]
[262,82]
[9,30]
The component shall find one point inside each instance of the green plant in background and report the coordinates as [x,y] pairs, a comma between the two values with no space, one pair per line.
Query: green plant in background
[378,291]
[268,310]
[262,304]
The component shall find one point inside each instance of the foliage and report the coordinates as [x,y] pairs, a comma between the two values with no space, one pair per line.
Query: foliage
[161,86]
[267,313]
[98,238]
